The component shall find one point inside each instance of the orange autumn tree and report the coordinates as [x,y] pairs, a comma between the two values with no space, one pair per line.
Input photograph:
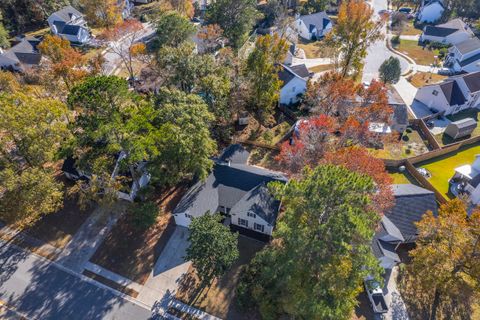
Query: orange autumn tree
[211,36]
[129,50]
[357,159]
[64,62]
[309,142]
[102,13]
[444,276]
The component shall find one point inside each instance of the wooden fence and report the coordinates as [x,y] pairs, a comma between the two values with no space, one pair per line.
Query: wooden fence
[424,182]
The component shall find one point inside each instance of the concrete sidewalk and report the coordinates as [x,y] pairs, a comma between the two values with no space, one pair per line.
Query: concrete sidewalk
[88,238]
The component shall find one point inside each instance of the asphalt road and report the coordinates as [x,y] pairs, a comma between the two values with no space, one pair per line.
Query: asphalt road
[39,289]
[378,52]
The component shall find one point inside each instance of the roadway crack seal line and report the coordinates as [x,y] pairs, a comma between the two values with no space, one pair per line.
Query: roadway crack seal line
[81,276]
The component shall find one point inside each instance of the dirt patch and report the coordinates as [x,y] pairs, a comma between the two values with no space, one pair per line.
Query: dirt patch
[219,298]
[58,228]
[421,79]
[110,283]
[132,252]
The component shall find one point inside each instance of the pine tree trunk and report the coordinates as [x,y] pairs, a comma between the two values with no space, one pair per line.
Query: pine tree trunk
[436,302]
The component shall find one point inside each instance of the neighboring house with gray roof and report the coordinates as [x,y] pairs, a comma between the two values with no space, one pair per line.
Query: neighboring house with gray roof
[452,95]
[397,226]
[236,190]
[70,24]
[313,26]
[294,83]
[430,11]
[464,56]
[451,32]
[21,56]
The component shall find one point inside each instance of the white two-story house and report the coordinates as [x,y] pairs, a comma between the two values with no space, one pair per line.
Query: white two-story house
[452,95]
[236,190]
[313,26]
[464,56]
[466,181]
[452,32]
[294,83]
[70,24]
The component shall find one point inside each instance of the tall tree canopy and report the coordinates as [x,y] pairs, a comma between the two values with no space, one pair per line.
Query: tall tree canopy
[32,132]
[102,13]
[183,140]
[4,43]
[390,70]
[444,276]
[353,33]
[235,17]
[321,252]
[213,247]
[173,29]
[263,65]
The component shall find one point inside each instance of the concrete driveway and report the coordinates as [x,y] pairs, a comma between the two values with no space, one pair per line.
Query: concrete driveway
[168,269]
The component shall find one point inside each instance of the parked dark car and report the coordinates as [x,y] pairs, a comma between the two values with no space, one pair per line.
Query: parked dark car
[405,10]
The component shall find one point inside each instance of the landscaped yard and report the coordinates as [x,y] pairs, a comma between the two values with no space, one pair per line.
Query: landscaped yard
[315,49]
[411,144]
[443,168]
[410,29]
[421,79]
[421,55]
[219,299]
[402,178]
[321,68]
[131,251]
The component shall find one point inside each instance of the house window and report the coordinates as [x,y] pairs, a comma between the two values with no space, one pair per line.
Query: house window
[258,227]
[293,89]
[242,222]
[189,216]
[251,214]
[435,92]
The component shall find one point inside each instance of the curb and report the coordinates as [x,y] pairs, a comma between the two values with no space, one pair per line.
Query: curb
[410,61]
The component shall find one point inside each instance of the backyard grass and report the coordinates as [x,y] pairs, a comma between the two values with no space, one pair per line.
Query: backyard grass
[402,178]
[131,251]
[264,158]
[421,79]
[219,298]
[321,68]
[410,29]
[421,55]
[443,168]
[411,144]
[315,49]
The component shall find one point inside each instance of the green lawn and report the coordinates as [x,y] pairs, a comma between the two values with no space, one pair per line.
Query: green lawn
[421,55]
[443,168]
[402,178]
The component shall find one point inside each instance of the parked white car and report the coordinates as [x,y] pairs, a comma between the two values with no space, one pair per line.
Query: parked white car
[375,295]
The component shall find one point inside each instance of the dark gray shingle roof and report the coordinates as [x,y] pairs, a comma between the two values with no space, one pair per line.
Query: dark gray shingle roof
[435,31]
[66,13]
[453,93]
[288,73]
[400,114]
[468,45]
[472,80]
[235,153]
[411,203]
[70,29]
[317,20]
[226,186]
[25,52]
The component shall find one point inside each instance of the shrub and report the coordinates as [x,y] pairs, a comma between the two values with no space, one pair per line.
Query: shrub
[408,130]
[405,138]
[144,214]
[395,40]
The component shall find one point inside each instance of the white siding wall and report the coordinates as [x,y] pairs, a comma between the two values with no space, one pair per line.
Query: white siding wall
[425,95]
[302,29]
[267,229]
[6,63]
[289,92]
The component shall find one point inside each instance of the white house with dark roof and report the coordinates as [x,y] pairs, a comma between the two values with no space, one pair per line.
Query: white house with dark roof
[294,79]
[452,95]
[397,226]
[21,56]
[452,32]
[70,24]
[430,11]
[313,26]
[464,56]
[236,190]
